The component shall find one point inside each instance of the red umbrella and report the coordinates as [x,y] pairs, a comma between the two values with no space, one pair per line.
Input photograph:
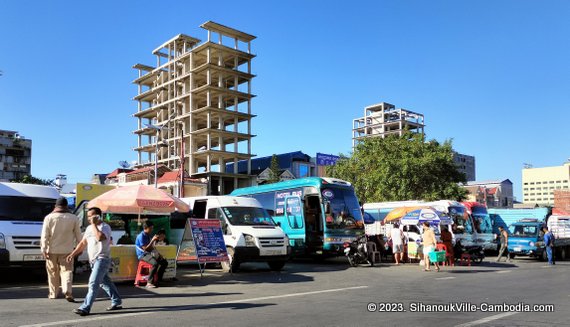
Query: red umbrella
[137,199]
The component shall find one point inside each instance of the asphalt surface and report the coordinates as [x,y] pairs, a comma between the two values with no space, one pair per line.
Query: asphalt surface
[306,293]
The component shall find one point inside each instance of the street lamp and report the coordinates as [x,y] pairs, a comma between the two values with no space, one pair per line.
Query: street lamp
[157,129]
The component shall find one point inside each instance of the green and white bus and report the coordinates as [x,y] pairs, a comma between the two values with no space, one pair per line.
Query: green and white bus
[318,215]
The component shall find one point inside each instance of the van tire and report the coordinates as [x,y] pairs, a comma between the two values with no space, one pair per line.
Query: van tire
[276,265]
[232,265]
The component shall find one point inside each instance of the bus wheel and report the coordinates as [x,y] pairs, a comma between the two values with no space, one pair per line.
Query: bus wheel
[276,265]
[511,256]
[232,265]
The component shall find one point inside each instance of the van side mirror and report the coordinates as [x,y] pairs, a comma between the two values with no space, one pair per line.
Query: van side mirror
[278,223]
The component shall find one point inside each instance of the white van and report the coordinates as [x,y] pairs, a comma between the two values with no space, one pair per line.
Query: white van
[23,208]
[250,233]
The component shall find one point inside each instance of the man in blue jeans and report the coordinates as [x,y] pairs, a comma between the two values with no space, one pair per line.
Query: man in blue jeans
[548,244]
[97,239]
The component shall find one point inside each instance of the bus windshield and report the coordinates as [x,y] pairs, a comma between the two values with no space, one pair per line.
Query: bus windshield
[461,222]
[523,231]
[25,208]
[482,223]
[345,209]
[244,216]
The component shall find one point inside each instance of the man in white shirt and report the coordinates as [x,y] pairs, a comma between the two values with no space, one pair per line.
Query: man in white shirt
[61,231]
[97,239]
[397,237]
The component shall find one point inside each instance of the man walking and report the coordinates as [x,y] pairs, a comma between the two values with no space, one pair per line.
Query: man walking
[61,231]
[145,247]
[397,237]
[504,237]
[548,244]
[97,239]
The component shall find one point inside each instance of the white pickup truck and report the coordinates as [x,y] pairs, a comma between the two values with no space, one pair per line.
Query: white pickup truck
[250,233]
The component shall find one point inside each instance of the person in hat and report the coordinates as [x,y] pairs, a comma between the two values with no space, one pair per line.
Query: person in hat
[61,231]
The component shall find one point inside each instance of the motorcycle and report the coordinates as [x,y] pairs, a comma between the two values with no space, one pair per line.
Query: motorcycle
[475,251]
[357,252]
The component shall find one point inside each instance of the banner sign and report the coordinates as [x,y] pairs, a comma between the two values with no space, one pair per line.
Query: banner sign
[209,240]
[326,159]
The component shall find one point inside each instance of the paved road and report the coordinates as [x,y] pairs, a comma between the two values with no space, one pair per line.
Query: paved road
[309,294]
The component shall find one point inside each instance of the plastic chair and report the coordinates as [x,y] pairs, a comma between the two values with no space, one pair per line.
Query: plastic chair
[448,258]
[143,271]
[465,259]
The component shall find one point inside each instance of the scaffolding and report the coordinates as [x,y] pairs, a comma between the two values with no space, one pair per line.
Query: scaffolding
[194,107]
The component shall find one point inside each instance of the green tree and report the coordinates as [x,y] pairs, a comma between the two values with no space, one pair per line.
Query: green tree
[29,179]
[401,168]
[274,170]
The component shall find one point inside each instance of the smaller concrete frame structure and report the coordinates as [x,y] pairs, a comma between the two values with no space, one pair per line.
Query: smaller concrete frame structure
[384,119]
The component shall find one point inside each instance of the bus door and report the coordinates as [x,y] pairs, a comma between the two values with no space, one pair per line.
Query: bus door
[313,222]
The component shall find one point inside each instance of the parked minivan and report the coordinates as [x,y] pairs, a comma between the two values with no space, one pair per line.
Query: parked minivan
[249,231]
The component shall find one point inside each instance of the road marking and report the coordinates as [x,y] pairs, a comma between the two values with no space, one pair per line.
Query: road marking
[114,316]
[442,278]
[503,271]
[291,295]
[486,320]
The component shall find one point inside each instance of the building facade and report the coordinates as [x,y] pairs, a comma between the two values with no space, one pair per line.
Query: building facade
[194,107]
[383,119]
[466,165]
[539,184]
[15,156]
[494,194]
[296,163]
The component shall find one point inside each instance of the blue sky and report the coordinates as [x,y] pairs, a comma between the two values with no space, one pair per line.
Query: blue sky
[494,76]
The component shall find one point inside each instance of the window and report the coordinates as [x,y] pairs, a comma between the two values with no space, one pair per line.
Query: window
[557,182]
[532,188]
[525,183]
[551,182]
[525,189]
[532,183]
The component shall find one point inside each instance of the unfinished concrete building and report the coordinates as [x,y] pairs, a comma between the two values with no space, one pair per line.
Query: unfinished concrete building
[194,107]
[384,119]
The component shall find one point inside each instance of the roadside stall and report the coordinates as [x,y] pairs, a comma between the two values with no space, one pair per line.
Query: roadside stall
[395,216]
[411,224]
[141,200]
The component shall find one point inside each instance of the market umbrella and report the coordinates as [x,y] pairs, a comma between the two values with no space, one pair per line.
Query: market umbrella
[398,213]
[419,216]
[138,199]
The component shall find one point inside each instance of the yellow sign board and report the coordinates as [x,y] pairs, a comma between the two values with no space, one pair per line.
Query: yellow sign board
[125,262]
[90,191]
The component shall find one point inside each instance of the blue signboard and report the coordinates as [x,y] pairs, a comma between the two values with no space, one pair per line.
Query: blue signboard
[209,240]
[326,159]
[280,200]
